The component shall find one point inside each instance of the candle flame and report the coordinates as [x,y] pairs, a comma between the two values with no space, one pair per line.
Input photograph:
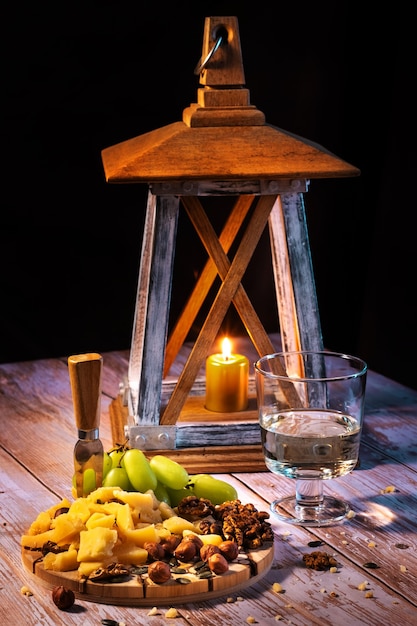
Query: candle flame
[226,348]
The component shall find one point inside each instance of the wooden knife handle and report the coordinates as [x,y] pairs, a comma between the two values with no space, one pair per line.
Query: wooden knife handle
[85,372]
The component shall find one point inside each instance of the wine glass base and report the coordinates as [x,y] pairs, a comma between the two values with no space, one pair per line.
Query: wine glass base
[329,511]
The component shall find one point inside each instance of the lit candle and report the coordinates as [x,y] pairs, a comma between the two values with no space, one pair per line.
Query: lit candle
[227,378]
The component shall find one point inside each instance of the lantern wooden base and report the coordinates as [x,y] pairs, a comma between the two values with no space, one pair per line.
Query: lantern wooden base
[228,456]
[204,459]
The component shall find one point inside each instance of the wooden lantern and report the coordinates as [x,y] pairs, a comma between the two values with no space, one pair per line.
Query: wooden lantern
[222,147]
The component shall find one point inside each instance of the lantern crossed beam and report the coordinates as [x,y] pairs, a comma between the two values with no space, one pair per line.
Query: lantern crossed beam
[206,278]
[222,264]
[231,274]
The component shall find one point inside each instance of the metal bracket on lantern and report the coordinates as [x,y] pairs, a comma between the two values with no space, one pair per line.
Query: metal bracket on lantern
[222,147]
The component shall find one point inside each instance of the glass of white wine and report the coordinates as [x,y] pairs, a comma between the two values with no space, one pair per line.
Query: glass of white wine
[311,408]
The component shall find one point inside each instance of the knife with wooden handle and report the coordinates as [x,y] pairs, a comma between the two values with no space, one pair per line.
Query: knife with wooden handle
[85,372]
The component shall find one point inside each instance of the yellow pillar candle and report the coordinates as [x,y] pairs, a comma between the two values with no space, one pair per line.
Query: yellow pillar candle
[227,378]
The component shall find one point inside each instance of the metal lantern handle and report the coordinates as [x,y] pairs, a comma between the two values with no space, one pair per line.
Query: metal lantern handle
[202,64]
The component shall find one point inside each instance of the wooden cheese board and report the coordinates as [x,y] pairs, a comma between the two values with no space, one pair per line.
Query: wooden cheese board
[139,590]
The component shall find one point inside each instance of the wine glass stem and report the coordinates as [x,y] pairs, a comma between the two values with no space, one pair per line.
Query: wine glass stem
[309,492]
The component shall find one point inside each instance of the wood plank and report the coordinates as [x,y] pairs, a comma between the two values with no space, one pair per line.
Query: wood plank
[157,313]
[289,330]
[382,522]
[134,372]
[302,275]
[307,593]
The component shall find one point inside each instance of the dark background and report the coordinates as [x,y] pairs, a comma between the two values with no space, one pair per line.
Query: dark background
[80,77]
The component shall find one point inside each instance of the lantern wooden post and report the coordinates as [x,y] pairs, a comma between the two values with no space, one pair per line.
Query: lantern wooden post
[222,147]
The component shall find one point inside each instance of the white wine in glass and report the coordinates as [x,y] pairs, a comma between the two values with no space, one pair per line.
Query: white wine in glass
[311,407]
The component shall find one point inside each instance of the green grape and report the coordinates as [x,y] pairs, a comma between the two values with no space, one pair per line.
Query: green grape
[213,489]
[193,478]
[117,477]
[139,471]
[169,472]
[89,477]
[161,492]
[176,495]
[89,481]
[107,464]
[116,456]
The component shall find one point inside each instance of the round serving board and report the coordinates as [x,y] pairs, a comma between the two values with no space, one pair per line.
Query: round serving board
[139,590]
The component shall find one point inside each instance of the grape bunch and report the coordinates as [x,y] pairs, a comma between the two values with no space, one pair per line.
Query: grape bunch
[130,470]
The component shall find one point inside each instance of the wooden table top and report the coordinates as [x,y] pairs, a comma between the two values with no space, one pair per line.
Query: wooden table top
[37,440]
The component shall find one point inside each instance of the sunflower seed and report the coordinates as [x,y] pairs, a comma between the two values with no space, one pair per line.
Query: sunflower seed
[139,570]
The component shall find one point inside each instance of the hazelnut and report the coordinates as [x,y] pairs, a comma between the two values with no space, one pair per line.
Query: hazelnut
[159,572]
[207,550]
[155,550]
[194,539]
[186,551]
[229,549]
[217,563]
[63,598]
[170,543]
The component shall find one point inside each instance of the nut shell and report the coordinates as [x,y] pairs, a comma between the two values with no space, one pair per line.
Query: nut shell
[170,543]
[229,549]
[207,550]
[217,563]
[186,551]
[155,550]
[159,572]
[194,539]
[63,598]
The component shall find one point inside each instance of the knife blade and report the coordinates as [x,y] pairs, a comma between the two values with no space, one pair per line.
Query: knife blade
[85,372]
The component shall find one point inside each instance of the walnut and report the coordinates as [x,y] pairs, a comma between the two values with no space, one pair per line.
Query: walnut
[156,551]
[193,508]
[319,561]
[210,526]
[112,570]
[186,551]
[217,563]
[243,524]
[63,598]
[159,572]
[229,549]
[207,550]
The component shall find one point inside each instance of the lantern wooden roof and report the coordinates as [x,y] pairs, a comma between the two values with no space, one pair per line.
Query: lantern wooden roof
[222,136]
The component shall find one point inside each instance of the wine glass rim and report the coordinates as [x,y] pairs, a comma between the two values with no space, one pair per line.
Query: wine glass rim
[362,366]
